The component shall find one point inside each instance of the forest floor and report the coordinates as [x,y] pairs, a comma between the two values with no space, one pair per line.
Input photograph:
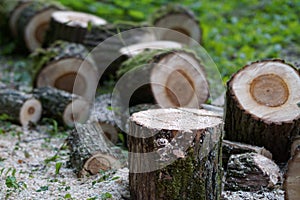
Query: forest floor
[34,165]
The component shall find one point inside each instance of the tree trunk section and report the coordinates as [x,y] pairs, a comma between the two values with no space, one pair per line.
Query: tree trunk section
[66,66]
[20,107]
[175,154]
[71,26]
[170,78]
[292,177]
[92,152]
[179,24]
[62,106]
[232,148]
[261,107]
[33,22]
[251,172]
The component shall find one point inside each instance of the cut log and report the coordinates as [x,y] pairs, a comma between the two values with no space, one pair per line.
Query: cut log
[66,66]
[292,177]
[175,153]
[20,107]
[232,148]
[251,172]
[262,107]
[62,106]
[133,50]
[104,115]
[105,42]
[169,77]
[33,22]
[71,26]
[180,24]
[92,152]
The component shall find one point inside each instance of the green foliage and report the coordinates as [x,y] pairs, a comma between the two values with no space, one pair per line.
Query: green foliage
[43,188]
[57,167]
[106,195]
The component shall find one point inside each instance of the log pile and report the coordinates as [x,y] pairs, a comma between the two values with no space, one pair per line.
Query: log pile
[175,152]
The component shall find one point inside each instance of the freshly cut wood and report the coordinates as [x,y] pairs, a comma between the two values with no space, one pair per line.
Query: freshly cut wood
[292,177]
[66,66]
[169,77]
[105,41]
[175,153]
[62,106]
[232,148]
[251,172]
[91,152]
[71,26]
[133,50]
[103,113]
[20,107]
[180,24]
[261,107]
[33,21]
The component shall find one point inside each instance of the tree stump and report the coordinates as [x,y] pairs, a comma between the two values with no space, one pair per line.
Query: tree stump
[66,66]
[71,26]
[33,21]
[292,177]
[175,153]
[62,106]
[251,172]
[92,152]
[232,148]
[261,107]
[169,77]
[180,24]
[20,107]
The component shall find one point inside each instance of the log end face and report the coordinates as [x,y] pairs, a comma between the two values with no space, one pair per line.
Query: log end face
[30,112]
[77,111]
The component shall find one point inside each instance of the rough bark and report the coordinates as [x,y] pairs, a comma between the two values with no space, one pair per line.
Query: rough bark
[33,22]
[292,177]
[251,172]
[62,106]
[261,107]
[92,152]
[19,107]
[169,77]
[182,22]
[232,148]
[68,67]
[71,26]
[175,154]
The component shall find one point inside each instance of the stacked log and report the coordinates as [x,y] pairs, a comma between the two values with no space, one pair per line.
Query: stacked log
[20,107]
[261,107]
[168,77]
[65,107]
[71,26]
[179,24]
[66,66]
[175,153]
[91,152]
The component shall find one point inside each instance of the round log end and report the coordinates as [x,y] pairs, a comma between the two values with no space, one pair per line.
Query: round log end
[269,90]
[77,111]
[30,112]
[178,80]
